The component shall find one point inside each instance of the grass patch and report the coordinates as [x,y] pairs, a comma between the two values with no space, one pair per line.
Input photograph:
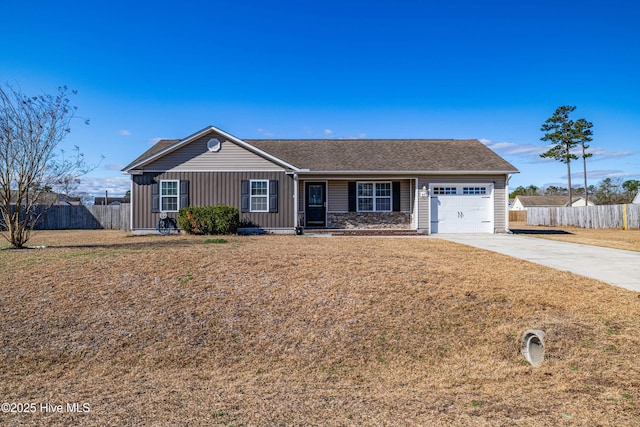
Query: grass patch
[303,331]
[214,241]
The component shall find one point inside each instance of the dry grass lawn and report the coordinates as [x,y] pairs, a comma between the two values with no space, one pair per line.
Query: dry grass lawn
[610,238]
[286,330]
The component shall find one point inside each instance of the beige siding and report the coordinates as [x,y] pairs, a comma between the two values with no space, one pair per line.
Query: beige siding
[499,199]
[196,157]
[301,196]
[338,196]
[424,212]
[212,188]
[406,195]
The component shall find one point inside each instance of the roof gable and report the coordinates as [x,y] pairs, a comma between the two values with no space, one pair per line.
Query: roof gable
[352,156]
[543,201]
[165,148]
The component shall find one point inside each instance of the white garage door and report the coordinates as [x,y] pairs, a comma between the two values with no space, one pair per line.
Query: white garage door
[461,208]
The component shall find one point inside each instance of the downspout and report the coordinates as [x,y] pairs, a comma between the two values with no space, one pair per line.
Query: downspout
[295,203]
[131,203]
[506,205]
[416,201]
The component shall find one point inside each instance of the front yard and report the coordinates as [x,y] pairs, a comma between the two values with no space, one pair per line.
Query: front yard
[286,330]
[609,237]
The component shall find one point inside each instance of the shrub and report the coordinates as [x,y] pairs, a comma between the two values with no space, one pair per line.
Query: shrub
[219,219]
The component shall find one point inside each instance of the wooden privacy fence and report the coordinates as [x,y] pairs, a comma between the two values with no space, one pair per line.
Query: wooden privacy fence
[602,216]
[86,218]
[517,216]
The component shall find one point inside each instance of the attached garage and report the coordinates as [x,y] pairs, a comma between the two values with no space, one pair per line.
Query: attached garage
[462,208]
[427,185]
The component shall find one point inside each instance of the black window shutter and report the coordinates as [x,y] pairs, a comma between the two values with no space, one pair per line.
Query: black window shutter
[273,196]
[395,190]
[352,196]
[244,196]
[155,197]
[184,193]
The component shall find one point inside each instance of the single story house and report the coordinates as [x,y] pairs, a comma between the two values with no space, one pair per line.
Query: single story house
[427,185]
[110,201]
[523,202]
[46,198]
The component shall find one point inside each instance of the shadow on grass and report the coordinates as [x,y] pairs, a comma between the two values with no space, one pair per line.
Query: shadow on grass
[539,232]
[132,243]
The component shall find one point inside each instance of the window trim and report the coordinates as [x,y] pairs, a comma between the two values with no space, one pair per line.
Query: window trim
[374,196]
[164,196]
[480,190]
[251,195]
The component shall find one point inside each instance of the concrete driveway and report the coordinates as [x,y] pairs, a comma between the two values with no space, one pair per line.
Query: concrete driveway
[614,266]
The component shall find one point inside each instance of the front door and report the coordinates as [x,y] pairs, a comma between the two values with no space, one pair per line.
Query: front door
[315,204]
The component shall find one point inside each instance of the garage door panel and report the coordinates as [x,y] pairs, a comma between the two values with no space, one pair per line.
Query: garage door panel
[462,212]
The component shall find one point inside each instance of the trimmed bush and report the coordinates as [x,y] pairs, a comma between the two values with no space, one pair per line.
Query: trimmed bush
[219,219]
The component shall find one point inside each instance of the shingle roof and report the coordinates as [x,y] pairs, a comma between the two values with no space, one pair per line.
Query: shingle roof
[532,201]
[362,155]
[156,148]
[446,155]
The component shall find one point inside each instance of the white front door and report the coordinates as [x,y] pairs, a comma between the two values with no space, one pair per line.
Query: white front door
[461,208]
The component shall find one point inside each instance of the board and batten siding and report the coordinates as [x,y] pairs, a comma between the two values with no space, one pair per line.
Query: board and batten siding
[195,156]
[213,188]
[499,196]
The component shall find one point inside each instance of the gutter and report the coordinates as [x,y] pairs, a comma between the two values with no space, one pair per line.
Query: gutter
[407,172]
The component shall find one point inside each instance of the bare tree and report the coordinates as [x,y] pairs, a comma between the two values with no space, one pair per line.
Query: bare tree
[31,128]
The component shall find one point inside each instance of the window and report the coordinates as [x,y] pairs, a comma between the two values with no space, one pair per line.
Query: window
[169,196]
[374,197]
[259,196]
[474,190]
[445,190]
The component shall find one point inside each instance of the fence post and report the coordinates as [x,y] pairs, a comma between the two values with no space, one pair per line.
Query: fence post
[624,217]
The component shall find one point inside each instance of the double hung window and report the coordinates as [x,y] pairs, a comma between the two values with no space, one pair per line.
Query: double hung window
[259,196]
[374,197]
[169,196]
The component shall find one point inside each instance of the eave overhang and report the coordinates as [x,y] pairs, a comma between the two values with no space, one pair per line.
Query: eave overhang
[138,167]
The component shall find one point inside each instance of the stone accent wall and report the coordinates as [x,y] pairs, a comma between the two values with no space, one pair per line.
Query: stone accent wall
[369,220]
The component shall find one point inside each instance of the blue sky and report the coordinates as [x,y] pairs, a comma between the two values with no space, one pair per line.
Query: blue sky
[493,70]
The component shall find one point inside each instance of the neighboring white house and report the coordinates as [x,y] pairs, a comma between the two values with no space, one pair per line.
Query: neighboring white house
[523,202]
[636,200]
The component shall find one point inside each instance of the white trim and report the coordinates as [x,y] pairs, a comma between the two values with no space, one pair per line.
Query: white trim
[177,196]
[202,133]
[295,201]
[326,199]
[374,197]
[460,194]
[416,205]
[131,204]
[507,224]
[407,172]
[141,172]
[251,196]
[212,146]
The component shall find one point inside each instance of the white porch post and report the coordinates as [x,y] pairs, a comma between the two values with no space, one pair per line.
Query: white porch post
[295,201]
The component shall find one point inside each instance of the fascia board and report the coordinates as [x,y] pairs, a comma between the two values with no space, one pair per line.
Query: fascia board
[408,172]
[203,132]
[170,148]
